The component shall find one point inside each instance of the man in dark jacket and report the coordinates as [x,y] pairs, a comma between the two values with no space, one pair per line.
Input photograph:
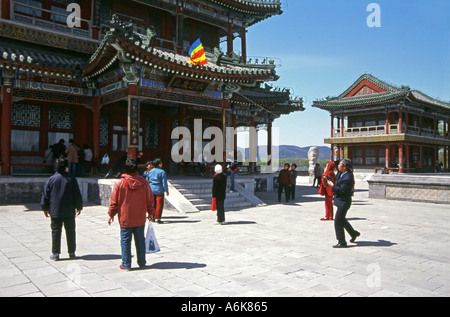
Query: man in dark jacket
[219,188]
[343,190]
[60,198]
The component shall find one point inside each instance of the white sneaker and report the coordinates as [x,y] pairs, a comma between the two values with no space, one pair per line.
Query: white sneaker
[231,191]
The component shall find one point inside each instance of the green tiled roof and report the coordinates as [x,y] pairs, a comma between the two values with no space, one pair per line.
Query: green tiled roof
[392,93]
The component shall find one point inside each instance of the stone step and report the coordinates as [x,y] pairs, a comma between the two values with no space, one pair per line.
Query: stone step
[199,193]
[193,185]
[200,201]
[192,195]
[244,204]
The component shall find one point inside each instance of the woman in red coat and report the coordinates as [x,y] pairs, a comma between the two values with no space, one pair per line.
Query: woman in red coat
[326,191]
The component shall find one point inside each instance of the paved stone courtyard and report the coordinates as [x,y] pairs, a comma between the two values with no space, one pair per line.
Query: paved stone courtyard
[279,250]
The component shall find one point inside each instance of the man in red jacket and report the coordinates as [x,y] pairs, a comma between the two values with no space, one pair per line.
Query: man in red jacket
[284,182]
[131,199]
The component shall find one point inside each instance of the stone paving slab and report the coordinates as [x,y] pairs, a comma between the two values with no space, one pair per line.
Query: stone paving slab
[279,250]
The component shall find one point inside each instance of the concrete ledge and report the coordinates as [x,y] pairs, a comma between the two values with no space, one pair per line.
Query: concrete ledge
[433,188]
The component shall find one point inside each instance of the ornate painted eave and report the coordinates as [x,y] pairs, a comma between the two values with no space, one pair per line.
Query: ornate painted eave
[39,61]
[121,43]
[275,103]
[272,7]
[389,93]
[339,103]
[250,11]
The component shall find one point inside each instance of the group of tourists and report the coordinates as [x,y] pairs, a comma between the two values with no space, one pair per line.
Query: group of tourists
[76,155]
[135,198]
[338,187]
[287,178]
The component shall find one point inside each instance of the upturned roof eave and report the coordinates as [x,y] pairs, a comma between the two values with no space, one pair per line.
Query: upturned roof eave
[138,49]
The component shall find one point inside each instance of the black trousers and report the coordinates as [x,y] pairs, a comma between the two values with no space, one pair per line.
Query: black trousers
[286,189]
[341,223]
[220,210]
[292,191]
[319,179]
[56,225]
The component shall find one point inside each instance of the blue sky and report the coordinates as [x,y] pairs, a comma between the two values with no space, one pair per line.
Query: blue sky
[325,45]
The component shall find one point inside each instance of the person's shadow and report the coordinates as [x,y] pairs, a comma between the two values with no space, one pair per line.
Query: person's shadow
[379,243]
[173,266]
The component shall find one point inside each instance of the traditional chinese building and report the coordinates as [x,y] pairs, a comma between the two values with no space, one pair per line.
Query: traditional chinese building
[120,81]
[377,124]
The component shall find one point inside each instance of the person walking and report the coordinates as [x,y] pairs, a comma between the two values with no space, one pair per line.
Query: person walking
[343,189]
[293,181]
[219,188]
[72,158]
[157,179]
[131,199]
[284,182]
[232,169]
[62,201]
[327,191]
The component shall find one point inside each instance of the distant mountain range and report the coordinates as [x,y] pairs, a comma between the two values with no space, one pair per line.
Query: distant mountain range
[291,151]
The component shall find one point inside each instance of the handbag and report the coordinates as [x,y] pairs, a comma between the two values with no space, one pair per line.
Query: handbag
[214,204]
[151,244]
[321,190]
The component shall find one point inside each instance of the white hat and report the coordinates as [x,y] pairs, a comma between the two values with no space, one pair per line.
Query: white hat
[218,169]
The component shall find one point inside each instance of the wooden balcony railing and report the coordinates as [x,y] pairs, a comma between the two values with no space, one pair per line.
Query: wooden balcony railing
[393,129]
[47,19]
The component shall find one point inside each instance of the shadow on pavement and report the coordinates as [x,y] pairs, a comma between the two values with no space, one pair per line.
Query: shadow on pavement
[379,243]
[173,266]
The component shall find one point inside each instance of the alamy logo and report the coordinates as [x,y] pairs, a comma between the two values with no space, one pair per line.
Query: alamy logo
[219,144]
[74,19]
[374,18]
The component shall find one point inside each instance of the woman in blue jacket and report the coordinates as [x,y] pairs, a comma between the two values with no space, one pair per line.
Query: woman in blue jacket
[157,179]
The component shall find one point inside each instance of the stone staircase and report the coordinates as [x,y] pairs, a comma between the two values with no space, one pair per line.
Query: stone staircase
[198,192]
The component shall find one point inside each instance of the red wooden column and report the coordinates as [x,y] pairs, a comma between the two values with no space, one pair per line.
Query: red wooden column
[387,155]
[387,121]
[6,9]
[6,129]
[244,45]
[342,135]
[400,157]
[229,40]
[332,124]
[95,128]
[400,120]
[406,121]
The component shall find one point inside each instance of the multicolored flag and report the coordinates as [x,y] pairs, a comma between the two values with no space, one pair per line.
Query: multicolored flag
[197,54]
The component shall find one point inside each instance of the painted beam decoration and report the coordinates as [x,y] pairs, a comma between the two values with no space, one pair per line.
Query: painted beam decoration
[189,84]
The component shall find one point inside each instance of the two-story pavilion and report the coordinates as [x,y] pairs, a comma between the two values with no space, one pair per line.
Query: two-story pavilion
[120,82]
[382,125]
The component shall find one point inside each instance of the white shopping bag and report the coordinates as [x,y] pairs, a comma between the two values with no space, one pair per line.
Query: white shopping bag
[151,244]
